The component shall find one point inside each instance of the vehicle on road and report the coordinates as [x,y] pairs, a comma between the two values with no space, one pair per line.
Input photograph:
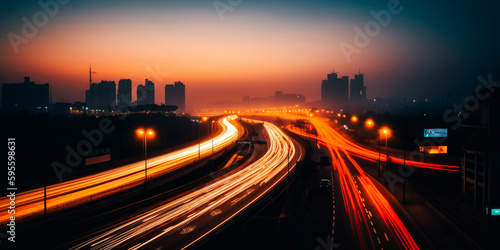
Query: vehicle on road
[324,183]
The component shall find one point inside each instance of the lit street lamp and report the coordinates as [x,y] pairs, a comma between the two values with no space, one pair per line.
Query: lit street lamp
[386,132]
[370,124]
[144,134]
[213,136]
[203,119]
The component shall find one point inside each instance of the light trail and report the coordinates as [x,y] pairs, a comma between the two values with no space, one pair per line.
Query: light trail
[338,147]
[238,190]
[78,191]
[366,153]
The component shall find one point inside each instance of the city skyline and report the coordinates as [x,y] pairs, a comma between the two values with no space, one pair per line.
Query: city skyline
[257,47]
[223,124]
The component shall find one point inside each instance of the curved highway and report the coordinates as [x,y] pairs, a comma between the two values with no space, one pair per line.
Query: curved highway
[78,191]
[184,221]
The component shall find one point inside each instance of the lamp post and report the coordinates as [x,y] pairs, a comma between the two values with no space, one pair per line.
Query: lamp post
[213,136]
[386,132]
[203,119]
[145,133]
[371,124]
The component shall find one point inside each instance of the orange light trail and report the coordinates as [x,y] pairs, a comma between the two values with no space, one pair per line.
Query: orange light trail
[339,148]
[351,195]
[372,155]
[180,213]
[81,190]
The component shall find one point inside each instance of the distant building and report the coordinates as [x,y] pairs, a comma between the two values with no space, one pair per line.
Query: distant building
[26,96]
[480,168]
[124,96]
[358,90]
[284,99]
[175,94]
[335,90]
[146,93]
[61,109]
[101,95]
[279,99]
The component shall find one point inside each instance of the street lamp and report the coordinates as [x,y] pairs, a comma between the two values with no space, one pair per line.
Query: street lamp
[386,131]
[213,136]
[369,123]
[203,119]
[144,134]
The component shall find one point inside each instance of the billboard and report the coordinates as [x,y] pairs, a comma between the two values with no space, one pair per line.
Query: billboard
[436,132]
[434,149]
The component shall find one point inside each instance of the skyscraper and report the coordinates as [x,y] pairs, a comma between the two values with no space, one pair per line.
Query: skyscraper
[101,95]
[124,92]
[335,90]
[175,94]
[358,90]
[146,93]
[26,96]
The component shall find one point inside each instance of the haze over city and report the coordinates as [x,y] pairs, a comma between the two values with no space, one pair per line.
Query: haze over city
[240,124]
[255,49]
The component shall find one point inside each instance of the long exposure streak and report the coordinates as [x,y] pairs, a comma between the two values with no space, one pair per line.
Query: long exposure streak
[78,191]
[177,216]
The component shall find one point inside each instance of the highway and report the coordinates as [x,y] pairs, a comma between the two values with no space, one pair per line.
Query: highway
[372,218]
[364,152]
[185,220]
[373,222]
[81,190]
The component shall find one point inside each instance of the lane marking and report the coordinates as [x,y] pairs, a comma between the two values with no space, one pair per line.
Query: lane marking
[187,230]
[100,241]
[136,247]
[215,212]
[387,238]
[149,218]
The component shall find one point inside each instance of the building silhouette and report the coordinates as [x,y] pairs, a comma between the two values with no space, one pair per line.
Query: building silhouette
[124,96]
[25,96]
[101,95]
[175,94]
[279,99]
[480,167]
[335,90]
[146,93]
[358,90]
[285,99]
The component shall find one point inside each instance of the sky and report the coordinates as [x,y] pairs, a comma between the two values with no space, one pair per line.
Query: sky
[223,50]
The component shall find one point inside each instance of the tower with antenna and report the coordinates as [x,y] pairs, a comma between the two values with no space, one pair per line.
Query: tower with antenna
[90,74]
